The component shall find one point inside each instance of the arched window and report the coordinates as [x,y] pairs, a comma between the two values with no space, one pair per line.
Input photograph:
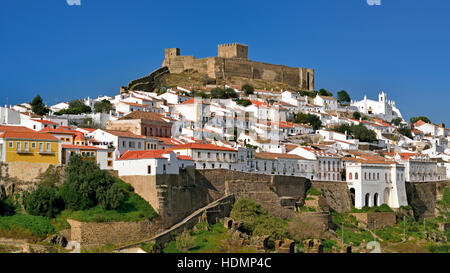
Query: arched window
[350,176]
[356,175]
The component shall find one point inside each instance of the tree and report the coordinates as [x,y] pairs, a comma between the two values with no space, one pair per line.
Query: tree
[356,115]
[248,89]
[243,102]
[230,93]
[86,186]
[406,132]
[396,121]
[343,96]
[44,201]
[312,120]
[324,92]
[38,107]
[422,118]
[76,107]
[103,106]
[357,131]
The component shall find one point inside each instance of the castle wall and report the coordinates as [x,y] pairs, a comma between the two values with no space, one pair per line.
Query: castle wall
[233,62]
[115,233]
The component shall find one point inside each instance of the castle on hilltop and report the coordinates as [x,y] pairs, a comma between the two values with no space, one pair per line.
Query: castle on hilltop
[232,61]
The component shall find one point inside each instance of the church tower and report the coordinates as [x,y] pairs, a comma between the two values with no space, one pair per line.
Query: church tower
[382,97]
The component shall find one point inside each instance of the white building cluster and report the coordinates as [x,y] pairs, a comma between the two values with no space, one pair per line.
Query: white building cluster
[255,133]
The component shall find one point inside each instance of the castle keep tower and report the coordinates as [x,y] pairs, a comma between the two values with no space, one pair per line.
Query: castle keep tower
[233,51]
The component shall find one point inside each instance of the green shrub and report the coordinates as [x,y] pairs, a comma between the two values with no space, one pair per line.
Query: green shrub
[23,225]
[185,241]
[257,221]
[313,191]
[86,186]
[44,201]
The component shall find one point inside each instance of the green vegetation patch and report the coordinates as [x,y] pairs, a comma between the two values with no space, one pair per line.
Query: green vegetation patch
[382,208]
[25,226]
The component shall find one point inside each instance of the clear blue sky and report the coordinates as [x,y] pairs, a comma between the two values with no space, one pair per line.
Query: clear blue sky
[65,52]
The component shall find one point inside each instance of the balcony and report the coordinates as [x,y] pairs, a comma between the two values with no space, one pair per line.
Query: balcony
[46,152]
[23,151]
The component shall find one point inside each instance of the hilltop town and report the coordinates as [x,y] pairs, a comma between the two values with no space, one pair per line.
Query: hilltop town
[197,133]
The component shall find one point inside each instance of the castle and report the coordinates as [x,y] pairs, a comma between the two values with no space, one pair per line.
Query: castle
[232,61]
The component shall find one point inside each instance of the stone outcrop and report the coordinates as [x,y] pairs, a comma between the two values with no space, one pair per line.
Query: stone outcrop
[150,82]
[422,197]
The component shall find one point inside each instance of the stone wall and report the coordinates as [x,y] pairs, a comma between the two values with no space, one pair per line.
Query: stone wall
[278,194]
[336,194]
[211,214]
[376,219]
[173,196]
[176,196]
[16,177]
[115,233]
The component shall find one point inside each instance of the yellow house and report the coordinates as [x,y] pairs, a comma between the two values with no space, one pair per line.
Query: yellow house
[21,145]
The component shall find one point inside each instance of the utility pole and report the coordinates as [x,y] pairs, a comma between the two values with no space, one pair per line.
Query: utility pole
[424,229]
[375,229]
[404,228]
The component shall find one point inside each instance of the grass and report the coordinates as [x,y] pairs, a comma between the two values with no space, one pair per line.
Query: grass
[209,239]
[8,249]
[313,191]
[355,237]
[382,208]
[205,240]
[25,226]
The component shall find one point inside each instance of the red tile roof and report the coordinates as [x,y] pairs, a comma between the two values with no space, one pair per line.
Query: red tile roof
[260,104]
[81,147]
[45,121]
[123,134]
[27,135]
[143,154]
[199,146]
[7,128]
[57,131]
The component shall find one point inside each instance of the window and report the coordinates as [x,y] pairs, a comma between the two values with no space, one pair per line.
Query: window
[26,146]
[33,145]
[49,147]
[19,145]
[356,175]
[72,153]
[124,144]
[350,176]
[149,169]
[41,147]
[164,168]
[11,144]
[109,154]
[109,163]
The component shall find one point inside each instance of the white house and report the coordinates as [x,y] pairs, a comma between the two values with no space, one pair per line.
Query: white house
[326,102]
[373,183]
[328,165]
[209,156]
[120,141]
[151,163]
[9,116]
